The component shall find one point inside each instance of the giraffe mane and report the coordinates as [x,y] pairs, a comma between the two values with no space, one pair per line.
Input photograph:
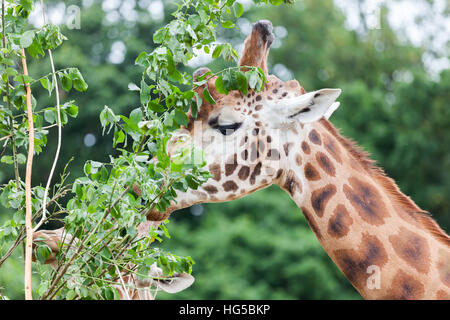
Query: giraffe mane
[363,157]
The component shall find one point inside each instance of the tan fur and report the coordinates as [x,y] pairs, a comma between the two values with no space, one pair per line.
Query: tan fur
[389,185]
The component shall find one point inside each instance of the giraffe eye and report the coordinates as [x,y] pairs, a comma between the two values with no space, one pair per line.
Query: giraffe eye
[229,128]
[225,129]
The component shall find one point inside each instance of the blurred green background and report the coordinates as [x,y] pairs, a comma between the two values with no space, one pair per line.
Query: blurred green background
[389,57]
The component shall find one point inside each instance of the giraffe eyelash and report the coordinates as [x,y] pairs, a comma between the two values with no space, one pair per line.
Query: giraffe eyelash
[224,129]
[229,128]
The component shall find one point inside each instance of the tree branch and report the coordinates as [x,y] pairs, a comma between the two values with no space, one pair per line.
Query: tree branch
[28,206]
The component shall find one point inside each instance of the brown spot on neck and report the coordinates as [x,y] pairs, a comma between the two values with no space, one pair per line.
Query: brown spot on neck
[340,222]
[244,172]
[311,173]
[256,172]
[412,248]
[320,198]
[314,137]
[305,147]
[332,147]
[442,295]
[210,189]
[231,165]
[354,263]
[366,200]
[291,184]
[325,163]
[215,170]
[230,186]
[405,287]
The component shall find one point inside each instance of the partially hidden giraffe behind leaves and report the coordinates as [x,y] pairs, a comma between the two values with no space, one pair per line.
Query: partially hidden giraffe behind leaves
[385,245]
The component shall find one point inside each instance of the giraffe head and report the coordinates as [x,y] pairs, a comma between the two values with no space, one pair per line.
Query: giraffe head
[246,138]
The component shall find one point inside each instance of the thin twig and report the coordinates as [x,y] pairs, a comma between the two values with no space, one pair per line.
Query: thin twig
[123,283]
[28,206]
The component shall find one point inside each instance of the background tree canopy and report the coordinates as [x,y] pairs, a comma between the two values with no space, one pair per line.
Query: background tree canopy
[393,104]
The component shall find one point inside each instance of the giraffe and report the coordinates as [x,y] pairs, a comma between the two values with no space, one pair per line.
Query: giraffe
[384,244]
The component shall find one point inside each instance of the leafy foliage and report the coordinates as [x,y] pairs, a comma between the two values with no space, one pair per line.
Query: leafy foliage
[103,212]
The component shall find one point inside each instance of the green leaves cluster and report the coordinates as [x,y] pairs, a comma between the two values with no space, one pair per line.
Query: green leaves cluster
[102,209]
[37,41]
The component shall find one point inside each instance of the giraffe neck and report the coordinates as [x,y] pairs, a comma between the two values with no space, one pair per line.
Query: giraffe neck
[382,242]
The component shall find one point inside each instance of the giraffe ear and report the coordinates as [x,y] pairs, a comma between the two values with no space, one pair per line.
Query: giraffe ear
[331,110]
[308,107]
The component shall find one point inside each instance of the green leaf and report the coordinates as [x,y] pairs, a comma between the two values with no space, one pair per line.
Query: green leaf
[119,137]
[228,24]
[72,110]
[71,294]
[78,81]
[7,159]
[238,9]
[35,49]
[145,93]
[242,82]
[158,36]
[155,106]
[217,51]
[181,118]
[220,85]
[49,115]
[21,159]
[207,95]
[136,115]
[43,252]
[66,82]
[192,182]
[87,168]
[27,38]
[196,105]
[47,84]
